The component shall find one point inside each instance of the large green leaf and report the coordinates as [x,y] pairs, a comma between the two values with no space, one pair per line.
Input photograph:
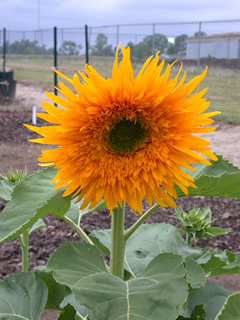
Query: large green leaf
[221,179]
[22,296]
[6,189]
[71,256]
[148,241]
[231,308]
[212,296]
[108,297]
[159,292]
[32,198]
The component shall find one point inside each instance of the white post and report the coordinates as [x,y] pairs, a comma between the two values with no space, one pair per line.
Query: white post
[34,116]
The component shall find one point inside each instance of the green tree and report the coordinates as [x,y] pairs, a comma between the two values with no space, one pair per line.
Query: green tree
[180,45]
[70,48]
[171,49]
[130,44]
[139,51]
[101,48]
[160,42]
[144,49]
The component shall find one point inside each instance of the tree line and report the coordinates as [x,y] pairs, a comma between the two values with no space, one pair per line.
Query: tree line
[143,49]
[32,47]
[140,51]
[26,47]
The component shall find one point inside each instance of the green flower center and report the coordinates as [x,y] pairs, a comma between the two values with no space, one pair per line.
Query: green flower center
[126,136]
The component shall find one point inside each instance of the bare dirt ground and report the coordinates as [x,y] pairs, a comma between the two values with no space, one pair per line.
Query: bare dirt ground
[17,152]
[27,95]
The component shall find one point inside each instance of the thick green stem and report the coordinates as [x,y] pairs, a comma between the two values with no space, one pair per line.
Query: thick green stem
[24,244]
[118,242]
[137,224]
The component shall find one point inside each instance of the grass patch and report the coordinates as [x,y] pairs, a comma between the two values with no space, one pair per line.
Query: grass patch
[223,84]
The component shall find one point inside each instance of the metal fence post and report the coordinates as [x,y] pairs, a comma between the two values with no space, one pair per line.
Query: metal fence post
[55,58]
[86,43]
[4,49]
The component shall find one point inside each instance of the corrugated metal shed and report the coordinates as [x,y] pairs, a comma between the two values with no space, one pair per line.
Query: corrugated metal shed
[219,46]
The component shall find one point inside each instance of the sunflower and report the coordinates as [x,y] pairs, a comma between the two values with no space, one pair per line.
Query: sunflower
[125,139]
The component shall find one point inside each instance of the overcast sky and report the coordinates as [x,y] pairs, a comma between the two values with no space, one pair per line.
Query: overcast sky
[32,14]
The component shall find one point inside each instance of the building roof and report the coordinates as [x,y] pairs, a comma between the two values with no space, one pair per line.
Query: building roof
[218,35]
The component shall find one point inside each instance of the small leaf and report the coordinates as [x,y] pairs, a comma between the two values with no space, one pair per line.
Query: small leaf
[70,299]
[231,308]
[100,205]
[68,313]
[56,292]
[72,213]
[75,214]
[102,240]
[215,232]
[22,295]
[6,189]
[199,313]
[38,225]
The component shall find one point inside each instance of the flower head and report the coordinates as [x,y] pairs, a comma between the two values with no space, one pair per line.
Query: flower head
[125,139]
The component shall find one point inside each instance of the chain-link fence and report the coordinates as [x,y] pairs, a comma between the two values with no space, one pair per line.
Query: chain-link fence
[32,55]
